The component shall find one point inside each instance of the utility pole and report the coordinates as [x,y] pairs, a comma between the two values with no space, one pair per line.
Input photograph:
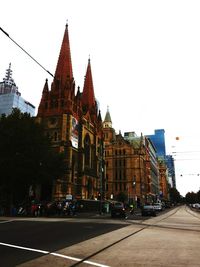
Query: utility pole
[101,175]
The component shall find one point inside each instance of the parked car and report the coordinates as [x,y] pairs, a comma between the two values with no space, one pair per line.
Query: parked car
[167,204]
[148,210]
[158,206]
[196,205]
[118,210]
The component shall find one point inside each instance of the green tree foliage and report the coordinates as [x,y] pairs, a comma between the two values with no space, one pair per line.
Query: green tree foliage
[26,157]
[175,196]
[198,196]
[191,197]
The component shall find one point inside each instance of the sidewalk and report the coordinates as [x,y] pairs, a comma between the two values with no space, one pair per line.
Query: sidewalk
[96,214]
[84,215]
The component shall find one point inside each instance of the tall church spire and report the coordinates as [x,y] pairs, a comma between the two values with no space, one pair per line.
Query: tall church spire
[64,65]
[107,123]
[88,98]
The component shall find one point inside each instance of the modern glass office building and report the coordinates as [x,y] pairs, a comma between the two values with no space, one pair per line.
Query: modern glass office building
[158,139]
[11,98]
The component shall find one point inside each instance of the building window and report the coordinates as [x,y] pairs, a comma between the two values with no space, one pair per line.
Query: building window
[55,104]
[116,187]
[55,136]
[62,103]
[124,186]
[87,150]
[120,187]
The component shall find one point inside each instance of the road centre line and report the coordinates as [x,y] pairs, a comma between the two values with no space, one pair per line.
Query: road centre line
[24,248]
[77,259]
[54,254]
[7,221]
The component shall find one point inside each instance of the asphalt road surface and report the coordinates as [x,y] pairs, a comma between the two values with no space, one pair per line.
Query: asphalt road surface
[22,240]
[170,239]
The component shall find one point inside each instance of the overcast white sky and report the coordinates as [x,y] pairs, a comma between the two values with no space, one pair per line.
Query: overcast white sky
[145,59]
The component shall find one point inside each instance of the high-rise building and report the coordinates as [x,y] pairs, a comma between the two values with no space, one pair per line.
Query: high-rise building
[171,170]
[73,121]
[158,139]
[11,98]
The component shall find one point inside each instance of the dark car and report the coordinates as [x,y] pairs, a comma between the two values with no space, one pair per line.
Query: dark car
[118,210]
[148,210]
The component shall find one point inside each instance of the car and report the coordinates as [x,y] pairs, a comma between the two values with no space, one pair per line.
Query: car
[167,204]
[158,206]
[196,205]
[148,210]
[118,210]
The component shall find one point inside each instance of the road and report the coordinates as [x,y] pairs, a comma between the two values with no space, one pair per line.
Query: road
[170,239]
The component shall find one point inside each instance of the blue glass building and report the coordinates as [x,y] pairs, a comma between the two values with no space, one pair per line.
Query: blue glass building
[158,139]
[11,98]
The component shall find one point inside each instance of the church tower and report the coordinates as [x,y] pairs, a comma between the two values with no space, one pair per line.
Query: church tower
[73,122]
[109,132]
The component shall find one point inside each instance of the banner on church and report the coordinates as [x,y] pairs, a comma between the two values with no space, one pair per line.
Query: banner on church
[74,133]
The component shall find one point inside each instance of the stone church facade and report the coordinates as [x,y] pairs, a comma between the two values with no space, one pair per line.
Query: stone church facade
[73,121]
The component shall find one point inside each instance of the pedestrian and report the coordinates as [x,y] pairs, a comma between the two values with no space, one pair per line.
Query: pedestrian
[66,208]
[132,210]
[59,208]
[73,208]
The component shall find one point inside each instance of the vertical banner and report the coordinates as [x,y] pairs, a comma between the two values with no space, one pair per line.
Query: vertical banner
[74,133]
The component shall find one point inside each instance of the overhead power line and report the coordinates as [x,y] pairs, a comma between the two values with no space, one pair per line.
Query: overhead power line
[186,159]
[26,52]
[177,152]
[193,174]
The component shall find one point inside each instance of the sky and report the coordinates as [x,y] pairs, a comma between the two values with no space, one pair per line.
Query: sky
[145,60]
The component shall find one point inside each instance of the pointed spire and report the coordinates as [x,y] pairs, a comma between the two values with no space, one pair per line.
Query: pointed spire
[46,87]
[8,77]
[88,98]
[8,85]
[64,65]
[108,117]
[107,121]
[99,116]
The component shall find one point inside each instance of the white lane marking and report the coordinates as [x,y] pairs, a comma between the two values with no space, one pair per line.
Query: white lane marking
[54,254]
[77,259]
[96,264]
[65,257]
[7,221]
[25,248]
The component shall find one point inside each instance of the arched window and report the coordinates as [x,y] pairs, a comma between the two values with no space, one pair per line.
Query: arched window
[87,150]
[62,103]
[55,136]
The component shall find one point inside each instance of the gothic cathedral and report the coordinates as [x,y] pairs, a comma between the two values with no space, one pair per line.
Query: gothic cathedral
[73,121]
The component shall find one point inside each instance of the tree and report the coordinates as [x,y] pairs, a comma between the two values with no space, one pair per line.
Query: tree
[191,197]
[26,157]
[122,197]
[175,196]
[198,196]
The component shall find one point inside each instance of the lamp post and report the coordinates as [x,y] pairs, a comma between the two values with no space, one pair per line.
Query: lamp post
[134,186]
[101,175]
